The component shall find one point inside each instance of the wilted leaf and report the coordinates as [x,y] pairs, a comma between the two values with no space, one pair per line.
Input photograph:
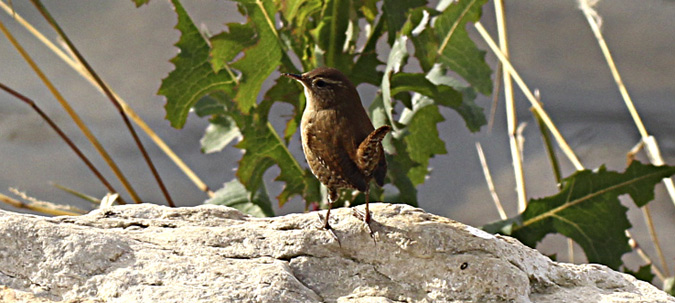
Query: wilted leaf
[193,76]
[235,195]
[588,211]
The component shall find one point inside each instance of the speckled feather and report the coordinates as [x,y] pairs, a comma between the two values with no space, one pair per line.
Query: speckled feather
[341,145]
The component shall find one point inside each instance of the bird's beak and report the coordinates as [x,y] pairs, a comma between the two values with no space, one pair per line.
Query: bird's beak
[293,76]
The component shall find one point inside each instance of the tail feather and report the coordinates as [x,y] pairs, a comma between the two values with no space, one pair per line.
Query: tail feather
[370,151]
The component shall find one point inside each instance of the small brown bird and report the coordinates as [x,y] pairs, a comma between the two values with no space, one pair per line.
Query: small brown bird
[342,148]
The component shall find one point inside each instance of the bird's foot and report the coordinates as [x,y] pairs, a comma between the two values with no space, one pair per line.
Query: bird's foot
[325,226]
[366,218]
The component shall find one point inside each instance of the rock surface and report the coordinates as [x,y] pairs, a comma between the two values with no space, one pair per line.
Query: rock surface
[150,253]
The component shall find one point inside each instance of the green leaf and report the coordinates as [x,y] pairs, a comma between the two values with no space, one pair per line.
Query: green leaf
[398,56]
[297,12]
[235,195]
[138,3]
[219,134]
[262,58]
[456,50]
[193,76]
[588,210]
[669,286]
[471,113]
[423,141]
[398,167]
[395,13]
[644,273]
[285,90]
[330,36]
[423,36]
[441,94]
[209,105]
[365,68]
[398,159]
[263,148]
[227,45]
[369,10]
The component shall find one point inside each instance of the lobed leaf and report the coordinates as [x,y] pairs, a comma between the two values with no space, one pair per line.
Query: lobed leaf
[260,59]
[235,195]
[395,13]
[220,132]
[644,273]
[263,148]
[397,59]
[193,76]
[440,93]
[471,113]
[422,141]
[588,211]
[227,45]
[456,50]
[330,35]
[418,28]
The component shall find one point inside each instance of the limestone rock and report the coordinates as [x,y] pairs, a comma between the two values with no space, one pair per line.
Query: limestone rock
[150,253]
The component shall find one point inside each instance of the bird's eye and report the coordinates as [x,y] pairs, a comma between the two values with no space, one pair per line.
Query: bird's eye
[320,83]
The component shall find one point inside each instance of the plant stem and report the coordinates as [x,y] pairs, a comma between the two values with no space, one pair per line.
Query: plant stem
[73,115]
[108,93]
[132,114]
[490,184]
[653,151]
[63,136]
[45,209]
[530,97]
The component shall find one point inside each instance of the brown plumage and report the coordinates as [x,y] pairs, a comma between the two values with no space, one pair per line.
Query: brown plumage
[341,146]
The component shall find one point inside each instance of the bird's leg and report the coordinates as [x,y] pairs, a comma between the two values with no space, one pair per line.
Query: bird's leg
[325,223]
[332,197]
[365,217]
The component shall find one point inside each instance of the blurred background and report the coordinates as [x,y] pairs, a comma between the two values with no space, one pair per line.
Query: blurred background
[551,46]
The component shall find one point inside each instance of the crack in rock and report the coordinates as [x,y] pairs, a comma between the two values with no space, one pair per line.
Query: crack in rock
[151,253]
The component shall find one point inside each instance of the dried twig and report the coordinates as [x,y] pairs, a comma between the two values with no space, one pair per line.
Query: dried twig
[77,66]
[63,136]
[490,184]
[71,112]
[113,99]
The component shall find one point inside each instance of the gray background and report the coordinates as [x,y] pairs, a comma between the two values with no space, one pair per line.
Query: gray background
[551,46]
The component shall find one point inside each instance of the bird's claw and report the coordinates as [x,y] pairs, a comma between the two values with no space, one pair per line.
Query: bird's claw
[366,218]
[327,227]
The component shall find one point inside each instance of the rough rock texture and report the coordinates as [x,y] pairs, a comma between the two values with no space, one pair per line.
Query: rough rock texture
[150,253]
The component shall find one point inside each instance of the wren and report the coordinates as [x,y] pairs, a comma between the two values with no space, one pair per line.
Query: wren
[342,148]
